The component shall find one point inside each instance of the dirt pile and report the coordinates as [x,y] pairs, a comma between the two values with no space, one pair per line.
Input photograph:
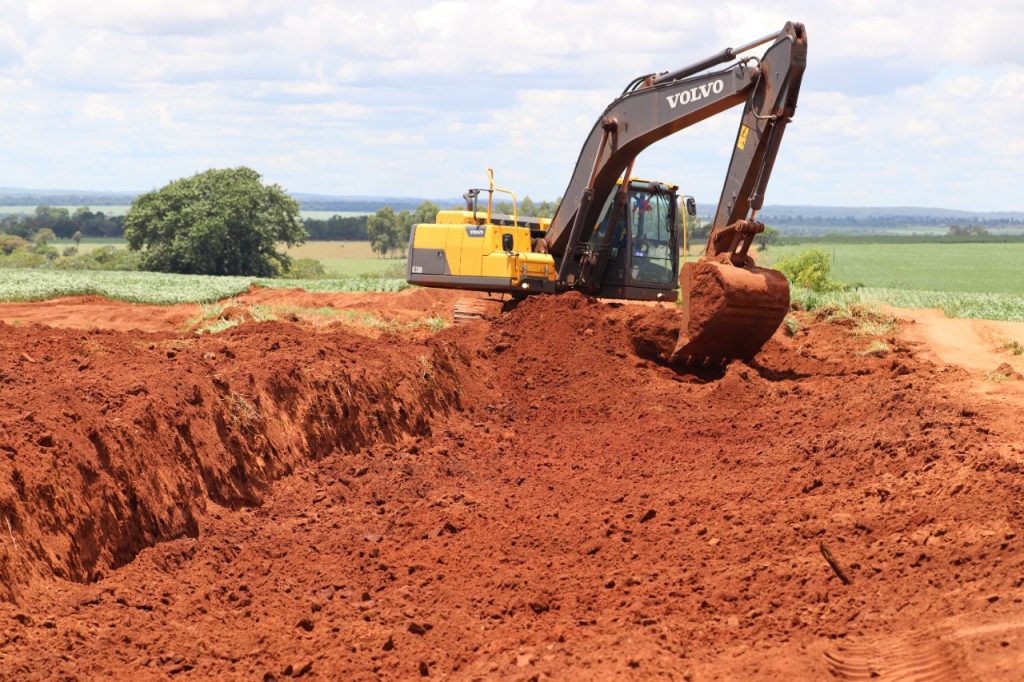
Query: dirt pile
[564,506]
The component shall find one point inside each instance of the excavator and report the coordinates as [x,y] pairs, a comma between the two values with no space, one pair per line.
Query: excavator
[616,236]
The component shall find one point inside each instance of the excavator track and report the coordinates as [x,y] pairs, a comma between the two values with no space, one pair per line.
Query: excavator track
[729,311]
[467,310]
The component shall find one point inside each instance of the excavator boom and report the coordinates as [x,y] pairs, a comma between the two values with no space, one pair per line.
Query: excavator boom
[731,307]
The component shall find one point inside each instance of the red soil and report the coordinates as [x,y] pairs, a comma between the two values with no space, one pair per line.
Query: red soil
[535,497]
[94,312]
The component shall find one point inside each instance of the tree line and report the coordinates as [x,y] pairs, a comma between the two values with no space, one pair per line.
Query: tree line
[63,223]
[389,234]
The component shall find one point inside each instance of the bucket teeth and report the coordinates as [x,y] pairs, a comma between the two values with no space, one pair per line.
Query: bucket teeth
[729,312]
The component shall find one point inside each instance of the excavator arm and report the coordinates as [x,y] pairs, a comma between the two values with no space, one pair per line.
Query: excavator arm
[731,306]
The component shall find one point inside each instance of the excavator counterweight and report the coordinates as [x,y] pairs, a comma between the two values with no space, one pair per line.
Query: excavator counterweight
[616,236]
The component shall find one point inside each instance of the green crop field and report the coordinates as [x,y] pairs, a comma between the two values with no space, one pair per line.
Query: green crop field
[977,280]
[159,288]
[978,268]
[983,281]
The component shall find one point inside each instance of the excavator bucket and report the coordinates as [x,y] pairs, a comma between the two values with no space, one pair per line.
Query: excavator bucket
[730,312]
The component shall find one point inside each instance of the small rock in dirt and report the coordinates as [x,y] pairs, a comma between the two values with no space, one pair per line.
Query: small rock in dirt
[306,624]
[389,645]
[648,515]
[46,440]
[590,548]
[449,528]
[539,607]
[816,483]
[418,629]
[424,669]
[305,668]
[714,542]
[1006,370]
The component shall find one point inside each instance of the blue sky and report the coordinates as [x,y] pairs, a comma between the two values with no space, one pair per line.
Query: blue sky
[903,103]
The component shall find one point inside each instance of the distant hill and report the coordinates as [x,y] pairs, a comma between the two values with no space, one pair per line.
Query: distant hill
[791,219]
[816,220]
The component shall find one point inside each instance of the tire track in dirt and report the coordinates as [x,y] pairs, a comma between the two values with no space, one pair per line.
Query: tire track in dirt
[925,657]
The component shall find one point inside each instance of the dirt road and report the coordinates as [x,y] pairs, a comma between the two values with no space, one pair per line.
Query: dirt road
[536,498]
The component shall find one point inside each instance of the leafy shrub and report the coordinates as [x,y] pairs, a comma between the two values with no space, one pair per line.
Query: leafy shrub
[9,243]
[305,268]
[102,258]
[809,269]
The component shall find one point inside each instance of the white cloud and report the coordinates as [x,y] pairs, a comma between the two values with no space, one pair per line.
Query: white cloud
[912,103]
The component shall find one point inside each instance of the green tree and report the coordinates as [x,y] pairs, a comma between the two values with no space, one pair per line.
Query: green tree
[42,237]
[382,228]
[426,213]
[403,228]
[219,222]
[766,237]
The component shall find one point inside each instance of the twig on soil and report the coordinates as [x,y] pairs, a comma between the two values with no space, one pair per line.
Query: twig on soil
[10,531]
[833,564]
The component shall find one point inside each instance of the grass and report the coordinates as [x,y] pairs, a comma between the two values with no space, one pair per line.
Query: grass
[1013,347]
[162,288]
[981,306]
[876,348]
[349,259]
[341,259]
[987,268]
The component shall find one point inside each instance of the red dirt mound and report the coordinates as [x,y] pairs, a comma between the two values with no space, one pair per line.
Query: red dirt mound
[566,506]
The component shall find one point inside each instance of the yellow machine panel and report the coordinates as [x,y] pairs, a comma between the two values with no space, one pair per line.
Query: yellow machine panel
[463,251]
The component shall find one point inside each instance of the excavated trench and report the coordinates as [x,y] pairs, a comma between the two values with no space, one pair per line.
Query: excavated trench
[117,441]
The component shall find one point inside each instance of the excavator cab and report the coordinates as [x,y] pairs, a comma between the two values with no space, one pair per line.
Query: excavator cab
[635,248]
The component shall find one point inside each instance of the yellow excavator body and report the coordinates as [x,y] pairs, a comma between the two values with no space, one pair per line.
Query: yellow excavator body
[462,250]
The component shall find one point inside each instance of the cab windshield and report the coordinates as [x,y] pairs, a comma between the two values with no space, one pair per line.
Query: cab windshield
[651,219]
